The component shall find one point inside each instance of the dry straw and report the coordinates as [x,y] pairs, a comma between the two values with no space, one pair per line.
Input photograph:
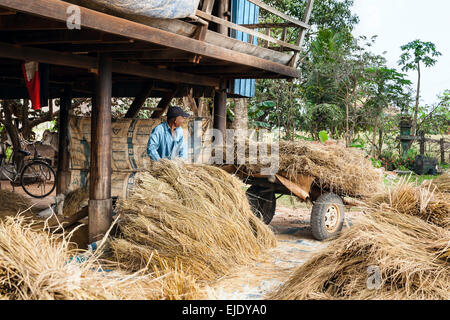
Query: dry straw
[193,216]
[442,183]
[425,202]
[74,201]
[344,171]
[410,252]
[12,203]
[41,265]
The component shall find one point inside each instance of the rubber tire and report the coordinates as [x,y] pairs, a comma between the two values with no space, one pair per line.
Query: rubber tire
[263,204]
[51,171]
[318,212]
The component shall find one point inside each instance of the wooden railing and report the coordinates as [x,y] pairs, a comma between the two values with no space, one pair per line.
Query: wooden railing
[205,14]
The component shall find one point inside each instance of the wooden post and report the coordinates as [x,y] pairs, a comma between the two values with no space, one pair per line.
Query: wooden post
[302,33]
[220,109]
[442,145]
[139,101]
[63,171]
[100,203]
[422,143]
[221,13]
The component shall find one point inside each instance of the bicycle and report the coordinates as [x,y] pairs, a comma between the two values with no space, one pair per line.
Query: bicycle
[35,175]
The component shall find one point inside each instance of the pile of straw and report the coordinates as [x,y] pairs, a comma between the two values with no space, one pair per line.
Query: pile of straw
[425,202]
[194,216]
[344,171]
[41,265]
[75,201]
[13,203]
[410,253]
[442,183]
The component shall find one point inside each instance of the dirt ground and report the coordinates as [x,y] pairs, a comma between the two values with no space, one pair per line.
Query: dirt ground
[295,245]
[39,203]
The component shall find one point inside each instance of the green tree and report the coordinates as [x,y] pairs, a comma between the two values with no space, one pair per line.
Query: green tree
[415,53]
[383,87]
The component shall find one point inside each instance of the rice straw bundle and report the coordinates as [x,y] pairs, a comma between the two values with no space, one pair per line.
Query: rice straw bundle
[405,235]
[423,202]
[410,254]
[12,203]
[341,170]
[75,201]
[442,183]
[38,265]
[194,216]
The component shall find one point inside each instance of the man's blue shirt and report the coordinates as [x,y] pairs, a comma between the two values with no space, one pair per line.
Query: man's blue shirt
[162,144]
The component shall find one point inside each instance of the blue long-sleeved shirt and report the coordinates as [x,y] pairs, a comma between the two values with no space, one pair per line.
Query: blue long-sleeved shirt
[162,144]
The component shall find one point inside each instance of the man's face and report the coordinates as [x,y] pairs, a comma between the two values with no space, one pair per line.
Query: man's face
[179,121]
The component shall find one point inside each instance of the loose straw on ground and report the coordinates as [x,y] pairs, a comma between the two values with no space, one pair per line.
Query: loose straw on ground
[40,265]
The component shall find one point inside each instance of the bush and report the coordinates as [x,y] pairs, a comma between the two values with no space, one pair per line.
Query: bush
[392,162]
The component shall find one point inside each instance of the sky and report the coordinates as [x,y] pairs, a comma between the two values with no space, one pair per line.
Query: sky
[397,22]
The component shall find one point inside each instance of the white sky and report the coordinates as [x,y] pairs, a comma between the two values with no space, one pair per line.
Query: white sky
[397,22]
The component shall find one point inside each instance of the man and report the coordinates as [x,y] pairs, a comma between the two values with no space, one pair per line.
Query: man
[167,139]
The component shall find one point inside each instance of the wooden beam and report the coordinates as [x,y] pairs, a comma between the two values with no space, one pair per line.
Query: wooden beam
[279,13]
[269,25]
[252,32]
[163,74]
[302,33]
[23,22]
[100,202]
[222,9]
[63,170]
[139,100]
[55,9]
[200,32]
[46,56]
[71,60]
[163,105]
[220,110]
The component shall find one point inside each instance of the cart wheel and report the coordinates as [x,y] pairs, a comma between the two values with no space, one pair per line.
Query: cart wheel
[327,216]
[263,202]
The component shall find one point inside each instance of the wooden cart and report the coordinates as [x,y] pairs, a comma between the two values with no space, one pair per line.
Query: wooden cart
[328,211]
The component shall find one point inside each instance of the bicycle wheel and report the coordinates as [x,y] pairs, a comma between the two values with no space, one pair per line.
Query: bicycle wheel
[38,179]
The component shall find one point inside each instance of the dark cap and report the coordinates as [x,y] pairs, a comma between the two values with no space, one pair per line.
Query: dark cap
[174,112]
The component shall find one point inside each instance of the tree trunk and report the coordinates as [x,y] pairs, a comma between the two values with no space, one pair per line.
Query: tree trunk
[240,114]
[13,133]
[416,108]
[347,131]
[380,141]
[374,138]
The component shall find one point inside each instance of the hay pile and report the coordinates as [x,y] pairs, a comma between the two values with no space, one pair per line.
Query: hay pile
[424,202]
[411,253]
[344,171]
[12,203]
[75,201]
[40,265]
[442,183]
[193,216]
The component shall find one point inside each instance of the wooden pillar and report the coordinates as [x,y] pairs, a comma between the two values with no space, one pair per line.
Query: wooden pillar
[220,109]
[422,143]
[442,145]
[100,204]
[222,11]
[139,100]
[63,171]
